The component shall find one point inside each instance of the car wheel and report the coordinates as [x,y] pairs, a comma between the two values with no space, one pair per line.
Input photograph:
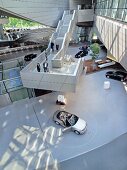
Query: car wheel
[107,77]
[77,132]
[57,123]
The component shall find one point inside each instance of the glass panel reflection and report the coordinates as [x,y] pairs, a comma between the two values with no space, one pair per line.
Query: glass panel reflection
[115,9]
[13,84]
[2,88]
[18,94]
[11,73]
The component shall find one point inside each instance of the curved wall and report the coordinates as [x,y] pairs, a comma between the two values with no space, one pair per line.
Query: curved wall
[110,156]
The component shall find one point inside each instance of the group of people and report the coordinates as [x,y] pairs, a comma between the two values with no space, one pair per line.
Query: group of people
[12,34]
[65,118]
[52,47]
[45,65]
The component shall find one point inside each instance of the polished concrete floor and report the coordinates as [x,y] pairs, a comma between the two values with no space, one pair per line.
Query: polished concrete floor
[31,140]
[111,156]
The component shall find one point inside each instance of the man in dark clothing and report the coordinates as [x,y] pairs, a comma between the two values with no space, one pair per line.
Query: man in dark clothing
[38,67]
[52,46]
[14,36]
[46,56]
[57,47]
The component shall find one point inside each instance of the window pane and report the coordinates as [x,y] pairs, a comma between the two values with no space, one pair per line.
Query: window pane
[120,14]
[122,4]
[115,3]
[113,15]
[109,3]
[125,15]
[13,84]
[112,8]
[18,94]
[126,4]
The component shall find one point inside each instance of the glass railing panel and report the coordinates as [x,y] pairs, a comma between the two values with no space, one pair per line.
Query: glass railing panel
[2,88]
[21,62]
[10,64]
[18,94]
[11,73]
[13,84]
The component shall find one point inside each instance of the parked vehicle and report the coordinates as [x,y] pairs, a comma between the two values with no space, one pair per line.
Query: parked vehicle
[29,57]
[83,52]
[117,75]
[68,120]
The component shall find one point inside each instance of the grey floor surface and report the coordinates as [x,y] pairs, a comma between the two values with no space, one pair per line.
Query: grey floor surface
[111,156]
[30,139]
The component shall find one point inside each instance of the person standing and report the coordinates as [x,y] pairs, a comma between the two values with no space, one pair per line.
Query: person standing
[45,66]
[57,47]
[38,67]
[52,46]
[46,56]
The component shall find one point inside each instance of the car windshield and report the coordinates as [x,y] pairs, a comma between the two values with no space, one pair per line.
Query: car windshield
[72,120]
[68,119]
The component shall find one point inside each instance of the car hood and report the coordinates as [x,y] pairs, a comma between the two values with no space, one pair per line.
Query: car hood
[80,125]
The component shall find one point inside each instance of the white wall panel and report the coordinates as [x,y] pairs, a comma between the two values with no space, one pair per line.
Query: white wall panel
[114,36]
[47,12]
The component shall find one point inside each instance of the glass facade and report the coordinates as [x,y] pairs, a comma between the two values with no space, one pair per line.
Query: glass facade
[116,9]
[10,80]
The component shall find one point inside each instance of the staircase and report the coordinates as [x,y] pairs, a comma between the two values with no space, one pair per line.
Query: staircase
[64,27]
[64,34]
[61,76]
[67,19]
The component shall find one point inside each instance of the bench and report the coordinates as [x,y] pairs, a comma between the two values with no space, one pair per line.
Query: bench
[106,64]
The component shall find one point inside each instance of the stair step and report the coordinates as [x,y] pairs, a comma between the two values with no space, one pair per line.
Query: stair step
[62,31]
[67,19]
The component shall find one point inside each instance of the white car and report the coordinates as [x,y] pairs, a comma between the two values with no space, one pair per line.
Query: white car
[68,120]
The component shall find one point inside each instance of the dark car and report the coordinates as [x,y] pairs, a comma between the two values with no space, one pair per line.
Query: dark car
[117,75]
[82,53]
[29,57]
